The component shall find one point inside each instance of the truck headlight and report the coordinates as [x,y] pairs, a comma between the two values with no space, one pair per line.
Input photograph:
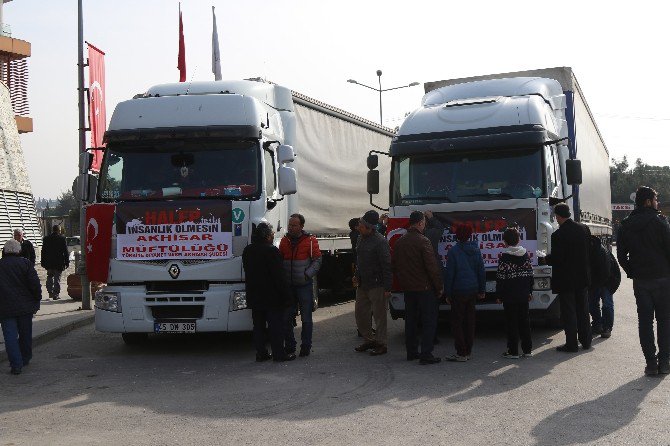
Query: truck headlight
[542,283]
[238,300]
[107,300]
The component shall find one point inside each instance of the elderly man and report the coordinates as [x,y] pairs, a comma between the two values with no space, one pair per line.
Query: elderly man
[416,268]
[373,281]
[27,249]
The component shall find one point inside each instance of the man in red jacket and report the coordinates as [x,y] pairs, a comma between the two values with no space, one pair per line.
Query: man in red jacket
[302,260]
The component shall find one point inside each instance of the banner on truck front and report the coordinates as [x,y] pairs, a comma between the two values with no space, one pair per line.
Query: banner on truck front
[176,230]
[488,227]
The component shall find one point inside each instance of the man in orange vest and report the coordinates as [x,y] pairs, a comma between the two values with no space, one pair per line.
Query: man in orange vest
[302,260]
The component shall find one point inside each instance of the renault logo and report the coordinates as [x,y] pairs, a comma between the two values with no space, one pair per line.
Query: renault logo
[174,271]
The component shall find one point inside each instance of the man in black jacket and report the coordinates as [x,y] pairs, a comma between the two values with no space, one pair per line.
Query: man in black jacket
[267,293]
[27,248]
[571,278]
[643,250]
[55,259]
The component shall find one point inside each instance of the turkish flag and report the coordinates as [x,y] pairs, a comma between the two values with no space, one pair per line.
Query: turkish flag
[396,228]
[98,243]
[97,115]
[181,56]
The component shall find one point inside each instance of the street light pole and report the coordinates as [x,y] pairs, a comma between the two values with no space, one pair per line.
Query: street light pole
[380,90]
[379,76]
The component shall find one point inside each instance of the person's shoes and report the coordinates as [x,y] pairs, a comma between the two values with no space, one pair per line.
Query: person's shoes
[596,330]
[527,355]
[456,358]
[606,334]
[509,355]
[56,298]
[305,351]
[651,369]
[367,345]
[379,350]
[429,360]
[664,368]
[567,349]
[412,356]
[586,347]
[15,371]
[287,357]
[261,357]
[289,351]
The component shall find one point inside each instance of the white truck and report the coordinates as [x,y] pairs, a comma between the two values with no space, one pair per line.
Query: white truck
[495,151]
[189,170]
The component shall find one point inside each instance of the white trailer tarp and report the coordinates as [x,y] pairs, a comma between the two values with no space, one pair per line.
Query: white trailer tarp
[331,164]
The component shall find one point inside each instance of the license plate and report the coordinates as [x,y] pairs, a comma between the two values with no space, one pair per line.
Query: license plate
[490,287]
[174,327]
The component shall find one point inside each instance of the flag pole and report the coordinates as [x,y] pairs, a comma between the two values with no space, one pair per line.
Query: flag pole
[83,168]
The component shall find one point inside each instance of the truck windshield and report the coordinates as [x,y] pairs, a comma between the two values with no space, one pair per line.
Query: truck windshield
[181,169]
[453,177]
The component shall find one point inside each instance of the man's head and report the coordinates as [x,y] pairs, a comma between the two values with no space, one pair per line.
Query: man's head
[353,224]
[646,197]
[12,247]
[417,221]
[368,223]
[511,236]
[55,229]
[18,235]
[562,212]
[263,233]
[296,224]
[463,232]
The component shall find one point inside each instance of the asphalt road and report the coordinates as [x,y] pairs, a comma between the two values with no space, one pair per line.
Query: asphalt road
[89,388]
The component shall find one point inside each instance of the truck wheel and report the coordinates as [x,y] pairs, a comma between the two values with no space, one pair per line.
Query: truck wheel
[315,293]
[134,338]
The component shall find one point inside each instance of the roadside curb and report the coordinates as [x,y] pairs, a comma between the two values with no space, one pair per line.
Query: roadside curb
[54,333]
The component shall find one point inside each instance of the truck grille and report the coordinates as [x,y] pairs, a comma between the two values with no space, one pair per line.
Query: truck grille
[181,286]
[177,311]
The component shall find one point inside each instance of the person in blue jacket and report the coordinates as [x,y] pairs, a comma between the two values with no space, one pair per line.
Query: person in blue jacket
[464,283]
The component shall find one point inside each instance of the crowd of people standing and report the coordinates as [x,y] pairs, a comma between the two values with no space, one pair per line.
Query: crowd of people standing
[585,276]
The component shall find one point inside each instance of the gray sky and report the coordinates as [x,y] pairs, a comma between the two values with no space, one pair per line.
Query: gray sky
[617,54]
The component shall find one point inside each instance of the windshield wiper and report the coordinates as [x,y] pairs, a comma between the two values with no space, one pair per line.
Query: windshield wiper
[487,195]
[426,197]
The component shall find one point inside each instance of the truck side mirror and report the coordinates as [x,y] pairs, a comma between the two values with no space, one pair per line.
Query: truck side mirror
[573,172]
[84,187]
[373,182]
[373,161]
[287,180]
[285,154]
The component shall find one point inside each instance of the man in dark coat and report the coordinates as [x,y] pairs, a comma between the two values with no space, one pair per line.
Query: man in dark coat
[27,248]
[419,276]
[267,293]
[20,295]
[55,259]
[643,250]
[571,278]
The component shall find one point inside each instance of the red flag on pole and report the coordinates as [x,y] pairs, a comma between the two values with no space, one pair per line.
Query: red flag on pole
[181,58]
[97,115]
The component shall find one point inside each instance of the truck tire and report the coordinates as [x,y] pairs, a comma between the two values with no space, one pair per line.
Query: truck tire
[315,293]
[134,338]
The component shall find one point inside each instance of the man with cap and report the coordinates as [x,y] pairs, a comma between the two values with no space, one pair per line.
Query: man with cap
[372,280]
[416,268]
[643,250]
[571,278]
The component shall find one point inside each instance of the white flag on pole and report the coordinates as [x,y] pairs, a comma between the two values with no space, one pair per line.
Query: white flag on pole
[216,55]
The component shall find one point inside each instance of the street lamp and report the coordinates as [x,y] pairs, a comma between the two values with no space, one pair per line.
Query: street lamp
[381,90]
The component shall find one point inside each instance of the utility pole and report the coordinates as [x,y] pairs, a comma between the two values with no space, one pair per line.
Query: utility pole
[83,167]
